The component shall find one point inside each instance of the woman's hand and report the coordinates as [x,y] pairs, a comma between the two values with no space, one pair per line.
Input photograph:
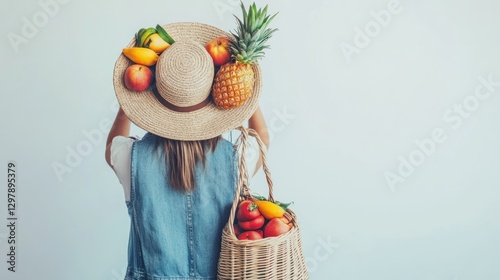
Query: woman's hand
[258,123]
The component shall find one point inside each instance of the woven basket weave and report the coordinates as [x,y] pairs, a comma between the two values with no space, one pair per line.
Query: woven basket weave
[274,258]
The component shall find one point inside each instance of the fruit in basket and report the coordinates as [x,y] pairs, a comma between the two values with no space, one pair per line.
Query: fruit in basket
[218,49]
[234,82]
[156,43]
[141,55]
[247,210]
[269,209]
[277,226]
[138,77]
[251,235]
[237,229]
[252,224]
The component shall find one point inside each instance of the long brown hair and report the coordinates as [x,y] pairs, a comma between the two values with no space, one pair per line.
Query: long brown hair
[181,159]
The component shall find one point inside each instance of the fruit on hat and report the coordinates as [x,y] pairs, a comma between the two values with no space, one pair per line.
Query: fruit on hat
[218,49]
[156,43]
[234,81]
[143,35]
[141,55]
[164,35]
[156,39]
[138,77]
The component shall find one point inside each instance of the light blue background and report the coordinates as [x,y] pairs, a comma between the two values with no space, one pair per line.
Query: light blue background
[347,125]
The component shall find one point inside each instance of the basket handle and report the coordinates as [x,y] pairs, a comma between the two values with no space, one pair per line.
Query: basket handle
[243,167]
[243,191]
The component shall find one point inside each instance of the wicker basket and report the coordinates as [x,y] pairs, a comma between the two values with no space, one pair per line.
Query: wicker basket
[274,258]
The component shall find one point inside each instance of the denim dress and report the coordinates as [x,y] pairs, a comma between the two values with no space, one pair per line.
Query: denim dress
[175,235]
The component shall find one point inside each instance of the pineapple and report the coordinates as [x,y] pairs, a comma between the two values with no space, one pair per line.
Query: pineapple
[234,81]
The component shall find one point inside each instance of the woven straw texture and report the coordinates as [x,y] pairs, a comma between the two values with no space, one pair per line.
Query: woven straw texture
[193,66]
[145,111]
[277,258]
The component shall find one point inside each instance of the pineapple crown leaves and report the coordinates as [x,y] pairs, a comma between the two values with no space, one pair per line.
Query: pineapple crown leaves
[252,33]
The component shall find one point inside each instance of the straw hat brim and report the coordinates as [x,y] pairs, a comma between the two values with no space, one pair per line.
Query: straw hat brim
[145,111]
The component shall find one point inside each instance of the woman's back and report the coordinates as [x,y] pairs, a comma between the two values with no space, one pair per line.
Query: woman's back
[176,235]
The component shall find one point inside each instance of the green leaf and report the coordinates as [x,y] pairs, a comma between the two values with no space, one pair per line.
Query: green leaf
[252,19]
[259,197]
[264,12]
[283,205]
[245,15]
[264,26]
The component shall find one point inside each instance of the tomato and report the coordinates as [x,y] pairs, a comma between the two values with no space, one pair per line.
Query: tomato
[247,211]
[237,229]
[252,224]
[251,235]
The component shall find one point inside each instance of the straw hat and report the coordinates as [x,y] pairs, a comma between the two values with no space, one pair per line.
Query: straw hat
[179,106]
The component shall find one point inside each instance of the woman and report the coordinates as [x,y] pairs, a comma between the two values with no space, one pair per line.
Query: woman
[180,178]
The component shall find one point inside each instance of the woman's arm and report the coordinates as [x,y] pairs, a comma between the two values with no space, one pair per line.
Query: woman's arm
[121,126]
[258,123]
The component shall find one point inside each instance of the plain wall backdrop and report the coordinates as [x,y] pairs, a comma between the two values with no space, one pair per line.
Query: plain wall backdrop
[384,120]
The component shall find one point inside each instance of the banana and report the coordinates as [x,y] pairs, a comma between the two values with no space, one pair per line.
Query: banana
[164,35]
[138,36]
[144,35]
[141,31]
[143,56]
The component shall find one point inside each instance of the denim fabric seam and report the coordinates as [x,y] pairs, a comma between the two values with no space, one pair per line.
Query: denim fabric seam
[132,201]
[236,168]
[143,264]
[190,232]
[134,275]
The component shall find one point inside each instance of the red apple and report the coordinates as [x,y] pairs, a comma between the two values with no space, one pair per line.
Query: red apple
[218,49]
[138,77]
[251,235]
[277,226]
